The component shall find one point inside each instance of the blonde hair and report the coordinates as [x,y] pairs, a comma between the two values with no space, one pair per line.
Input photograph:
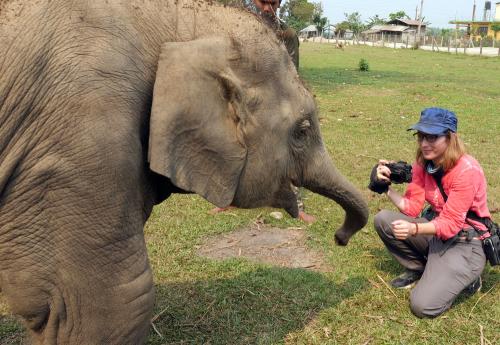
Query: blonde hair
[454,151]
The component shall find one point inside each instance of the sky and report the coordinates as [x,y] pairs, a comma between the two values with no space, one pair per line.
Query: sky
[437,12]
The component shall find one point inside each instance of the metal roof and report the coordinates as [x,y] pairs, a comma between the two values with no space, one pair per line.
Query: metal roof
[408,22]
[479,22]
[392,28]
[310,28]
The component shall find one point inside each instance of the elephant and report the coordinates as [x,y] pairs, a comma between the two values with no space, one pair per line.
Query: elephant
[106,109]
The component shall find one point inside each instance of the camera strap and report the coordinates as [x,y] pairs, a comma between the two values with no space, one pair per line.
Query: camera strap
[470,214]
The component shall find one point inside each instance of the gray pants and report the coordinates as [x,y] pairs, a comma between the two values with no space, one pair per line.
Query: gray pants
[445,273]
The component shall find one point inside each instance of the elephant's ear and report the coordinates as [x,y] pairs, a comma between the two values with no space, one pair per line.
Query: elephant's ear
[195,130]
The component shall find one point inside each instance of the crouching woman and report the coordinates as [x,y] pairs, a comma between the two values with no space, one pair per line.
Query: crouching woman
[444,255]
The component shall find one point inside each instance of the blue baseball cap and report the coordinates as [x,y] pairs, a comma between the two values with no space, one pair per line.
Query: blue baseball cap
[436,121]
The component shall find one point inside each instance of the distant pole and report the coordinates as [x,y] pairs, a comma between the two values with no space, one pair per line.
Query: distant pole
[416,12]
[420,19]
[474,11]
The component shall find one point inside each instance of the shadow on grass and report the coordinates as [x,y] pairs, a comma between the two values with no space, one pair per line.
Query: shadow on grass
[332,77]
[385,262]
[261,306]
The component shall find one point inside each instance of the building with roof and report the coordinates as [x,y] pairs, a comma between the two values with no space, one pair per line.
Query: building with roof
[329,31]
[483,28]
[309,31]
[401,30]
[390,33]
[410,23]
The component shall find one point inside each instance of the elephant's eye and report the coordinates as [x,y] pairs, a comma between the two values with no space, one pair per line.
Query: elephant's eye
[304,125]
[254,103]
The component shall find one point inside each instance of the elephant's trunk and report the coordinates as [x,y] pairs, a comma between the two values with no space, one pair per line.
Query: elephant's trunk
[321,176]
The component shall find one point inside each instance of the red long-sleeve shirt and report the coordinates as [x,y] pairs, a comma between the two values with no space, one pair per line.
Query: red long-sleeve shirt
[465,186]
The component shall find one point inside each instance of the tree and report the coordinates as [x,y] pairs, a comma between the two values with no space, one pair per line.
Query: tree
[375,20]
[353,22]
[446,32]
[244,3]
[341,28]
[398,15]
[297,13]
[496,28]
[318,20]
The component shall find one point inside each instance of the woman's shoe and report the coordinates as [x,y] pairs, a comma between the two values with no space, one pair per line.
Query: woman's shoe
[474,287]
[406,280]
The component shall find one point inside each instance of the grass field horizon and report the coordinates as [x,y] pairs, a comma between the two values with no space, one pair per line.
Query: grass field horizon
[364,117]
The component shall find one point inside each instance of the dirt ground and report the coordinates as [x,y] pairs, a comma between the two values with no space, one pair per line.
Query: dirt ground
[266,244]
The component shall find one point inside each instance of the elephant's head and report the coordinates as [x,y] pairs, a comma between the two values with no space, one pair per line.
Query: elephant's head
[235,124]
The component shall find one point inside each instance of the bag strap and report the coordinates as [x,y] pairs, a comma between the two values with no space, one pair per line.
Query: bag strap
[470,214]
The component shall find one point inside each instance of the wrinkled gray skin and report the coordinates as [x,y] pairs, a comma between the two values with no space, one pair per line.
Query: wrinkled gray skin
[91,137]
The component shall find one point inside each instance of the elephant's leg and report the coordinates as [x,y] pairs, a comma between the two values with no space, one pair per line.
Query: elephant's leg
[73,257]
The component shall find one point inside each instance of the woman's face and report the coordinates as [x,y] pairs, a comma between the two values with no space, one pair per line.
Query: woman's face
[433,146]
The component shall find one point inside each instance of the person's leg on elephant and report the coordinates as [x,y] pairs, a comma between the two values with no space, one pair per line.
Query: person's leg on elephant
[448,272]
[305,217]
[411,253]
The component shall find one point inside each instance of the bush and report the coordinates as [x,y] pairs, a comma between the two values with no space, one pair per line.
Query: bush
[363,65]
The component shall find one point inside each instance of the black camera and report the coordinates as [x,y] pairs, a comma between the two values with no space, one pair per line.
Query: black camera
[400,172]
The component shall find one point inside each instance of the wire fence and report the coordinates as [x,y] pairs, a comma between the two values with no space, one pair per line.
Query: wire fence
[453,45]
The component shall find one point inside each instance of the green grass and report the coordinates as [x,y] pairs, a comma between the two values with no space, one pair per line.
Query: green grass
[364,116]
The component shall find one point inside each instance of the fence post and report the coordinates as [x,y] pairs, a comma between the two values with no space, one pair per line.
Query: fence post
[394,41]
[407,39]
[481,46]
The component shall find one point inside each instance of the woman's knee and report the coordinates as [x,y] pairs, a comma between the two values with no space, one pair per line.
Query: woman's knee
[382,222]
[423,307]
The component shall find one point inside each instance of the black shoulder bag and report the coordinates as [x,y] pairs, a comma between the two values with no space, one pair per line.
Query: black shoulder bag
[491,245]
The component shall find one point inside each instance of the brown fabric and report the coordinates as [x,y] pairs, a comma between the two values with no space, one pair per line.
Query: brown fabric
[291,42]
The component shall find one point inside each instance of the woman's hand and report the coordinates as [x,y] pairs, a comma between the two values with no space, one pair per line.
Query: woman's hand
[383,172]
[403,229]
